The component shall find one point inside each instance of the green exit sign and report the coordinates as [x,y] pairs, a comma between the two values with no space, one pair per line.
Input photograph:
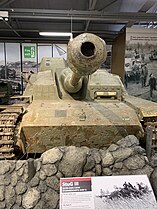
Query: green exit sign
[29,52]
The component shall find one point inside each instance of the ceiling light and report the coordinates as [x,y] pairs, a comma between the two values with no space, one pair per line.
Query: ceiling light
[4,14]
[56,34]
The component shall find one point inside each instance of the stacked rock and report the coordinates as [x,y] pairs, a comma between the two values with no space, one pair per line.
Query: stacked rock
[34,183]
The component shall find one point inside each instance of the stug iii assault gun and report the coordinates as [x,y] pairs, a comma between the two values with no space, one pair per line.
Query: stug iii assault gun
[77,103]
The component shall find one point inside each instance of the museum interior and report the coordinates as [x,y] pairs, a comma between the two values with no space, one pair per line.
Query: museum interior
[78,104]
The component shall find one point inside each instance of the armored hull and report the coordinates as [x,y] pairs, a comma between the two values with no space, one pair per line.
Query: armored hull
[99,119]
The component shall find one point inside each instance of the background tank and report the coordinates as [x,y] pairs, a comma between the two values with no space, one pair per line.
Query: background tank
[76,103]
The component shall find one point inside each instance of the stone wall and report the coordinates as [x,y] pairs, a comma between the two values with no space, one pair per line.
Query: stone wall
[35,183]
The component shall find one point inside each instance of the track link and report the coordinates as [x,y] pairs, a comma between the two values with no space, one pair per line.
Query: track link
[9,123]
[152,122]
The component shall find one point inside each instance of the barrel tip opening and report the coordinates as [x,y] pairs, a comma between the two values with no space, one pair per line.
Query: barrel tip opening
[88,49]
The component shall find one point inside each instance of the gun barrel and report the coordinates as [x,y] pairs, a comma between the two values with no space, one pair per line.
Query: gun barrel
[85,54]
[75,79]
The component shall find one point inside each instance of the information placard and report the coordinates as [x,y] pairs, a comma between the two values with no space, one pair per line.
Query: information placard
[107,192]
[73,190]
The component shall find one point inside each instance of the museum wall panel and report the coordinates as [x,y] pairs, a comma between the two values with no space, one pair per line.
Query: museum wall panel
[141,62]
[118,53]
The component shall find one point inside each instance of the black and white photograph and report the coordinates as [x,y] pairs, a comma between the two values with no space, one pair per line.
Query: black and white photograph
[123,192]
[141,63]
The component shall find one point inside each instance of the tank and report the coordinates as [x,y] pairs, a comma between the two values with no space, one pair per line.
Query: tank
[75,102]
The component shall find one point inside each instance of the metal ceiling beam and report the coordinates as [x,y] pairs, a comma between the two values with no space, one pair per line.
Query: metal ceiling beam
[19,30]
[50,38]
[4,3]
[81,15]
[103,32]
[90,4]
[58,23]
[148,4]
[17,23]
[107,5]
[11,27]
[91,7]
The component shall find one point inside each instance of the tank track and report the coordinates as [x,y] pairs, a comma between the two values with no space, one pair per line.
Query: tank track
[154,136]
[152,122]
[9,125]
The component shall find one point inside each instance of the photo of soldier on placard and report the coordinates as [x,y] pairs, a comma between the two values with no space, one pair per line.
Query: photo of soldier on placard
[125,192]
[141,63]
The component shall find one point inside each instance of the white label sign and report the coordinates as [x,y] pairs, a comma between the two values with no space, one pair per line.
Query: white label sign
[107,192]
